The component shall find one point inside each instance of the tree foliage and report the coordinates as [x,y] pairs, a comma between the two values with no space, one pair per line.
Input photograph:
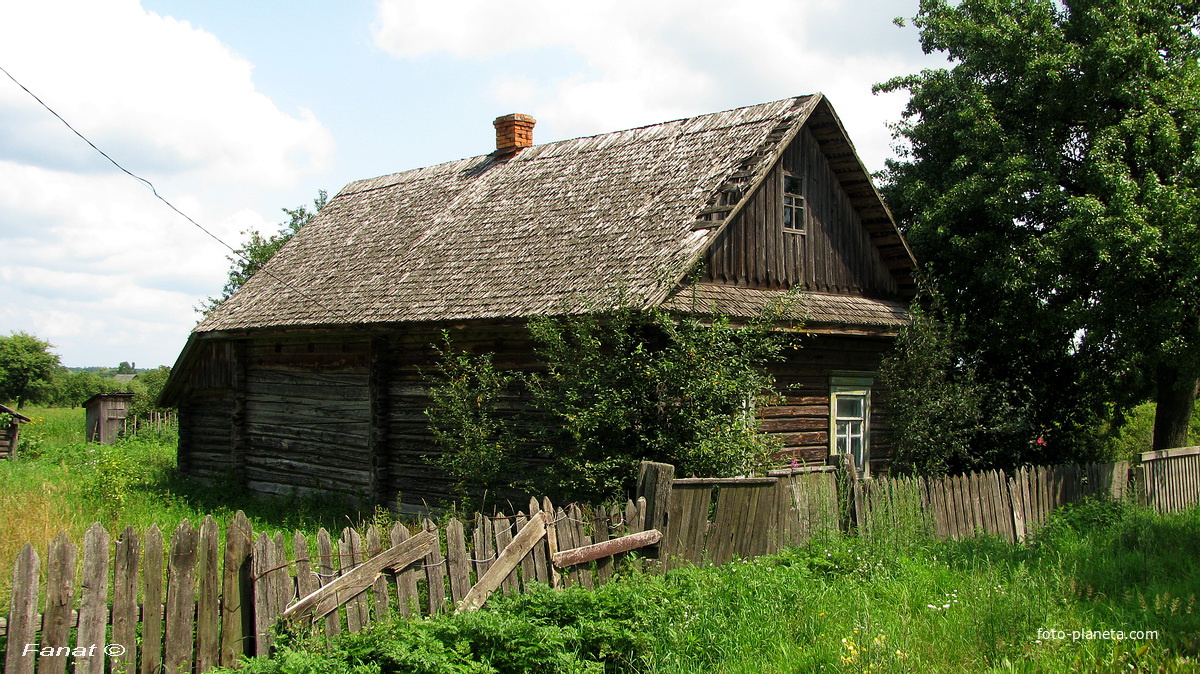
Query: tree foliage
[257,249]
[616,388]
[1051,187]
[26,367]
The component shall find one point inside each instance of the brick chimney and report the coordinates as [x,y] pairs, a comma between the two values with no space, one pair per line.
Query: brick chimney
[513,133]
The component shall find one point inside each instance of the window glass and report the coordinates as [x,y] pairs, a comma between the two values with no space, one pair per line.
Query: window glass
[795,208]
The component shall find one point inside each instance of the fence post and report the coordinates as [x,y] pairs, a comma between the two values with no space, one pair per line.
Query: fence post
[654,484]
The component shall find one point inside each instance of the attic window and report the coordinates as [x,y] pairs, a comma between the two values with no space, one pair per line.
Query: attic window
[795,208]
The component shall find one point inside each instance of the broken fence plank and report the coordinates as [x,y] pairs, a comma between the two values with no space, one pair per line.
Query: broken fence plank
[354,582]
[505,563]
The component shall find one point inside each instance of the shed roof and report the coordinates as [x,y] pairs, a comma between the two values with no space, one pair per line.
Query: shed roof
[562,227]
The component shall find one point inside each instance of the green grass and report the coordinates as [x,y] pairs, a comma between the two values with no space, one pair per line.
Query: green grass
[843,604]
[60,483]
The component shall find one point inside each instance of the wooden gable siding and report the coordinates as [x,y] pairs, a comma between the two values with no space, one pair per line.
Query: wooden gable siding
[835,255]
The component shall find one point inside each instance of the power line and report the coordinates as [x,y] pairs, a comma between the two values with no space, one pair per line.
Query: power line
[158,196]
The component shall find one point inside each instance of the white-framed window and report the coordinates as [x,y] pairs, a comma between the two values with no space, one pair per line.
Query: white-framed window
[850,417]
[795,207]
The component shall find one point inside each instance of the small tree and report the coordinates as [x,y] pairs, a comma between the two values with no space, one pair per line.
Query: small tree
[258,249]
[26,367]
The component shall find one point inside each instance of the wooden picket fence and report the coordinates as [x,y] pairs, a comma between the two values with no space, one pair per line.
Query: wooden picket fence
[202,602]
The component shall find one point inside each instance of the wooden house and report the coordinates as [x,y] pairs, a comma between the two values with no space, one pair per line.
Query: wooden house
[105,415]
[309,377]
[10,432]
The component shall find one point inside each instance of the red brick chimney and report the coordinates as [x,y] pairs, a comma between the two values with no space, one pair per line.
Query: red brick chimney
[513,133]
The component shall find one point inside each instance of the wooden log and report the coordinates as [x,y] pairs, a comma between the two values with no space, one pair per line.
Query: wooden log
[93,606]
[505,563]
[152,603]
[406,578]
[355,581]
[181,599]
[57,620]
[435,572]
[237,595]
[607,548]
[22,612]
[456,558]
[330,565]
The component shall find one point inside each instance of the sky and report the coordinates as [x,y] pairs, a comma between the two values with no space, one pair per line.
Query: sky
[235,110]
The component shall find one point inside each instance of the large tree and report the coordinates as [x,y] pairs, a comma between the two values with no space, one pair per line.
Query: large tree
[26,367]
[1051,186]
[257,249]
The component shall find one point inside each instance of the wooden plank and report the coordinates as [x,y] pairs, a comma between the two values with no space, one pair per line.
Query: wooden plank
[93,601]
[549,515]
[654,484]
[503,528]
[379,589]
[578,525]
[505,563]
[484,544]
[22,612]
[60,601]
[435,572]
[306,581]
[181,599]
[456,556]
[237,595]
[126,561]
[330,565]
[152,602]
[607,548]
[527,568]
[354,582]
[265,610]
[406,578]
[565,530]
[685,540]
[1169,453]
[722,481]
[208,607]
[1016,508]
[541,573]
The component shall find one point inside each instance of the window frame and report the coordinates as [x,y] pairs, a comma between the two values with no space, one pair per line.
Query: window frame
[852,385]
[794,202]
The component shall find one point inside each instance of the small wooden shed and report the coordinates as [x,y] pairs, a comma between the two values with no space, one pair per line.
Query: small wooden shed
[9,433]
[106,414]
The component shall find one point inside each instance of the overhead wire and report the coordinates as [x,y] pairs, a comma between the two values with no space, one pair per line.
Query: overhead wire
[170,205]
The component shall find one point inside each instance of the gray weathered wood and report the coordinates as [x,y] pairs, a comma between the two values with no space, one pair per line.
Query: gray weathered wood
[406,579]
[60,600]
[237,597]
[541,573]
[354,582]
[654,484]
[125,593]
[456,558]
[550,516]
[329,565]
[181,599]
[505,563]
[527,572]
[350,552]
[22,612]
[93,606]
[503,527]
[379,589]
[435,572]
[152,602]
[208,606]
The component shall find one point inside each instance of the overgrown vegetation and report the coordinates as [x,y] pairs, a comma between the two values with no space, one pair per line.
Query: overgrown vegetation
[617,388]
[839,604]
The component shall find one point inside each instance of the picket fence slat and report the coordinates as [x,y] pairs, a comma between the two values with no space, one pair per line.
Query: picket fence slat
[22,611]
[60,600]
[125,608]
[93,608]
[405,579]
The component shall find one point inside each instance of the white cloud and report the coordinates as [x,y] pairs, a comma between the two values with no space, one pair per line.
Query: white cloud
[652,61]
[161,96]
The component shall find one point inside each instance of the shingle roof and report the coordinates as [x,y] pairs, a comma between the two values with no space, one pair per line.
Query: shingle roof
[814,309]
[561,227]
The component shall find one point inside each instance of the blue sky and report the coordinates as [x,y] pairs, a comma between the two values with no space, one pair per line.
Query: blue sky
[237,109]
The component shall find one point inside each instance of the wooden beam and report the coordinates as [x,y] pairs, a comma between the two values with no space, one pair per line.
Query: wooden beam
[508,560]
[606,549]
[328,598]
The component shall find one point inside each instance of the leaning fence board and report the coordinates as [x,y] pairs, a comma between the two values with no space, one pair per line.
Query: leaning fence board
[354,582]
[22,611]
[93,607]
[507,560]
[60,599]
